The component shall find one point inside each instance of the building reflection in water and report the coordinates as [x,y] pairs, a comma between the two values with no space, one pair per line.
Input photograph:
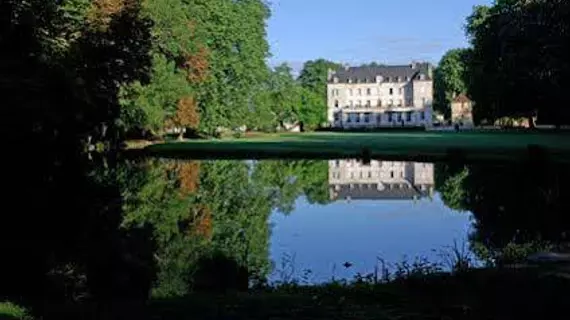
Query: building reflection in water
[380,180]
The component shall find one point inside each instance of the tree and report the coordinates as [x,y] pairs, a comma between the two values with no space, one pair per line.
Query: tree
[517,66]
[450,79]
[286,96]
[314,79]
[186,116]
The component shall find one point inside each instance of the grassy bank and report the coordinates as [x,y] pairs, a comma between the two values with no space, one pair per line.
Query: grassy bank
[512,293]
[11,311]
[421,146]
[476,294]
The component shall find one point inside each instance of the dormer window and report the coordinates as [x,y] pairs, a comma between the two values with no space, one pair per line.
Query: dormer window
[365,80]
[335,79]
[378,79]
[387,79]
[349,80]
[407,79]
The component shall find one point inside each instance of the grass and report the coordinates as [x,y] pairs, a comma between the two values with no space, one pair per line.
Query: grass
[10,311]
[493,293]
[419,146]
[475,294]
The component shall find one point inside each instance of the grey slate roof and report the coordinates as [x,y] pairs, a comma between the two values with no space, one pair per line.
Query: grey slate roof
[360,193]
[360,74]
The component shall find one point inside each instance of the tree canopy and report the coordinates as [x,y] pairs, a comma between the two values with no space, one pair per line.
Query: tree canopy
[450,78]
[518,65]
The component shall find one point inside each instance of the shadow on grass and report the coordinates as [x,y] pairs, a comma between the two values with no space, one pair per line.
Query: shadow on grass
[476,294]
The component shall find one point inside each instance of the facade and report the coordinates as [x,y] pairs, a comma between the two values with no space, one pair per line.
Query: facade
[387,180]
[380,96]
[462,111]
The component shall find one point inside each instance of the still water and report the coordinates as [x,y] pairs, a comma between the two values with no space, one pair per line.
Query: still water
[313,221]
[162,227]
[380,211]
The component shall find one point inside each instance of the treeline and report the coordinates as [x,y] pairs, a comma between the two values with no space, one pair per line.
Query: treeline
[517,64]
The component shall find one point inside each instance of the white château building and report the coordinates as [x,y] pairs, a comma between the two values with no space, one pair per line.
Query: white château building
[387,180]
[381,96]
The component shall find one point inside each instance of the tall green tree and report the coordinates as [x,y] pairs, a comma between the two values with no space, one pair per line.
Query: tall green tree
[450,78]
[313,79]
[518,66]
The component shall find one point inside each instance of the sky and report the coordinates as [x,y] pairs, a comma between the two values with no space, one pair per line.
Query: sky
[358,31]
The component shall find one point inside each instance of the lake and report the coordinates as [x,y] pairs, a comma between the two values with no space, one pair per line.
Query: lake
[315,221]
[382,211]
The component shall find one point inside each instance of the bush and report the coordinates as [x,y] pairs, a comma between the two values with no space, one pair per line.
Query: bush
[9,310]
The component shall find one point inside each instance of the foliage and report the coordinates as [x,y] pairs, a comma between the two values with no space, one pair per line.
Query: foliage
[313,79]
[10,310]
[288,180]
[518,65]
[450,79]
[150,106]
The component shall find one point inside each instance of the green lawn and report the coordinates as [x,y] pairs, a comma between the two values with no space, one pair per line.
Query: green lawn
[412,146]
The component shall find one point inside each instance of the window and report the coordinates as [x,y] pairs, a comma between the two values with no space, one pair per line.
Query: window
[359,92]
[335,80]
[368,104]
[407,79]
[365,80]
[336,117]
[379,118]
[391,91]
[357,118]
[399,117]
[422,115]
[367,117]
[351,103]
[400,103]
[389,117]
[349,118]
[400,90]
[349,80]
[359,103]
[387,79]
[379,103]
[337,163]
[368,91]
[391,174]
[408,116]
[391,102]
[335,103]
[423,102]
[369,174]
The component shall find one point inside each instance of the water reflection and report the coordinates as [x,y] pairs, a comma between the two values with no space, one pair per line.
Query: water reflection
[380,209]
[165,228]
[378,180]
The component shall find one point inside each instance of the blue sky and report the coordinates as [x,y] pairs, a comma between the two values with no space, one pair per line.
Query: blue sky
[357,31]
